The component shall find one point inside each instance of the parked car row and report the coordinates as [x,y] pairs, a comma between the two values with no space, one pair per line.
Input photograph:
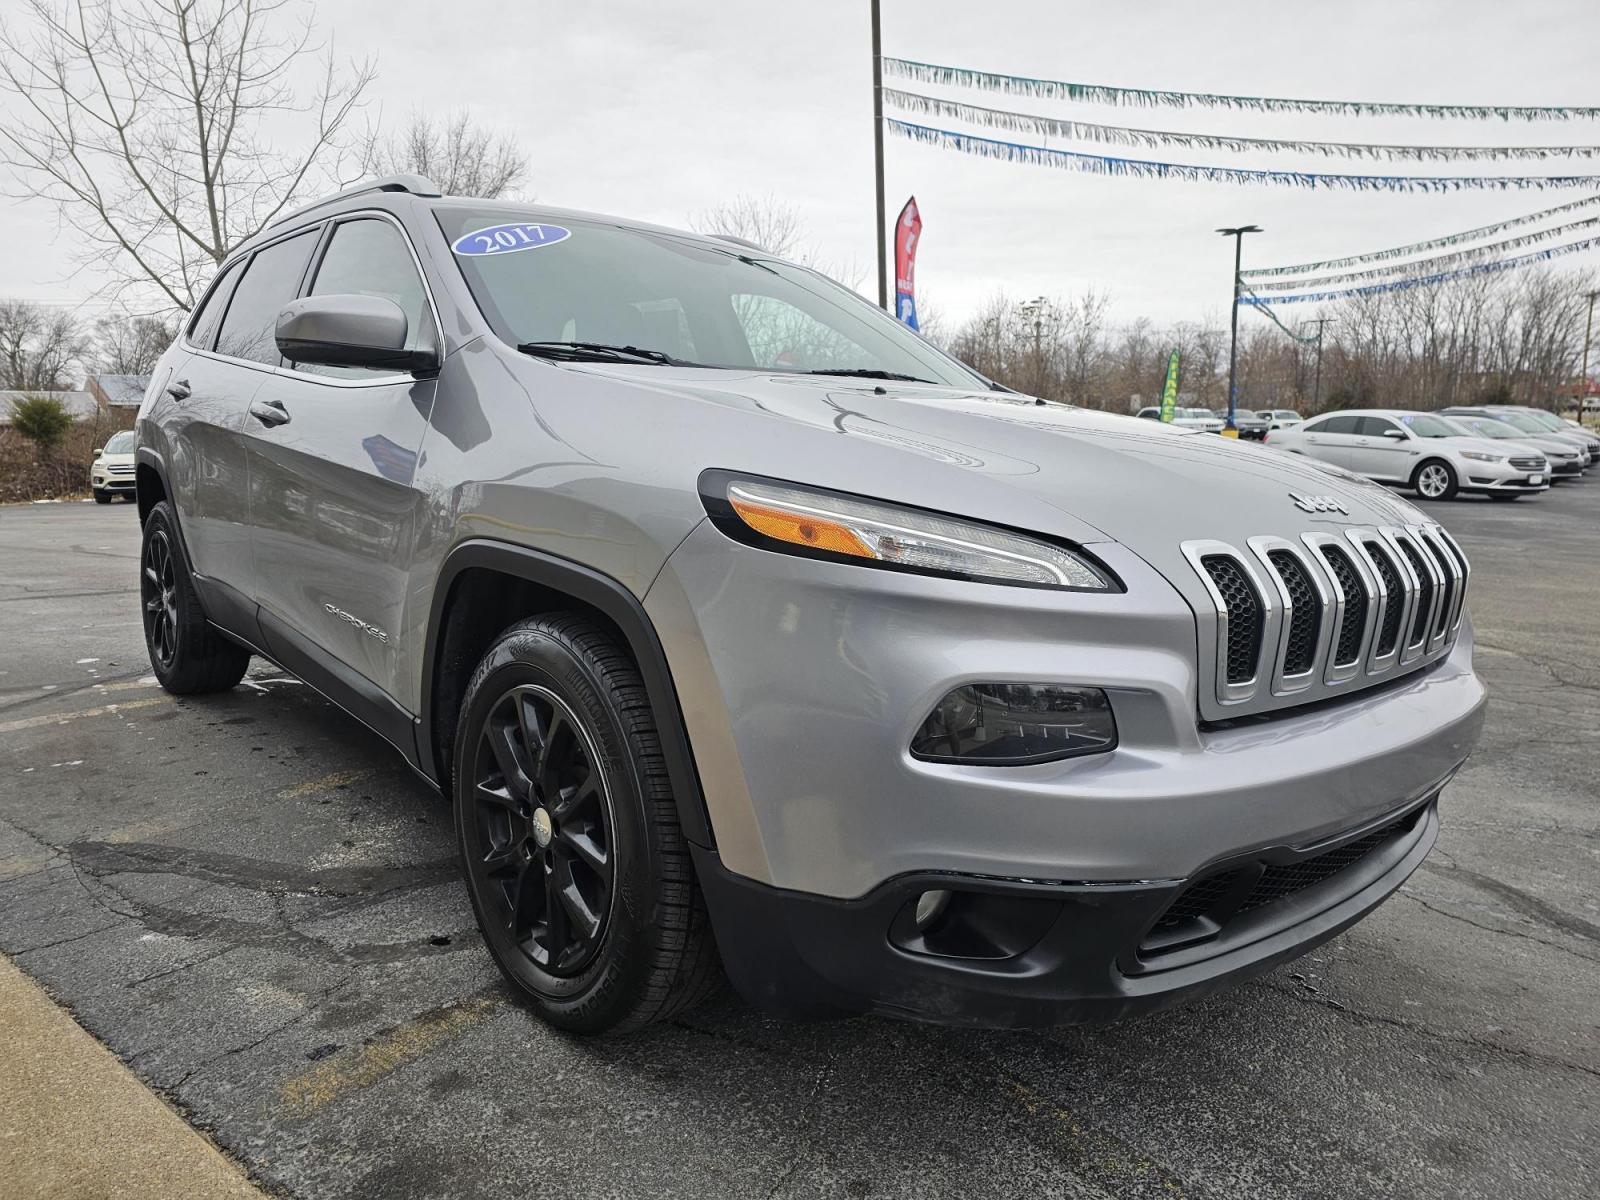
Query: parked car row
[1500,451]
[1250,423]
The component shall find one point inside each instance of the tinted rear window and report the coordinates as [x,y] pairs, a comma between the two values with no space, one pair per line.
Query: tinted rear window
[270,281]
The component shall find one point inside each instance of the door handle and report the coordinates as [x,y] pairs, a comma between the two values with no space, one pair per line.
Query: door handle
[269,412]
[179,390]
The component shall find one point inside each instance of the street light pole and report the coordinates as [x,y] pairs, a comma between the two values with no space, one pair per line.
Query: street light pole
[1036,309]
[1237,234]
[1316,387]
[877,155]
[1588,329]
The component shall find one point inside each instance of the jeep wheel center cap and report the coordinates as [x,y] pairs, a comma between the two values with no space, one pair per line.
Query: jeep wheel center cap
[542,827]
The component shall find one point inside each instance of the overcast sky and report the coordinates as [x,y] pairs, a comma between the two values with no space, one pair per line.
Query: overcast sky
[658,110]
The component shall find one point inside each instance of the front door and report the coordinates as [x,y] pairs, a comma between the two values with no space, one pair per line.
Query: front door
[1383,450]
[333,506]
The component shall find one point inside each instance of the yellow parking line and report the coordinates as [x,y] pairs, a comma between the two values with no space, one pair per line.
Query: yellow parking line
[63,718]
[321,784]
[330,1080]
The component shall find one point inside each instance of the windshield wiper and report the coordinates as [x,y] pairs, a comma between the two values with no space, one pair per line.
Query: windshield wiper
[594,352]
[868,373]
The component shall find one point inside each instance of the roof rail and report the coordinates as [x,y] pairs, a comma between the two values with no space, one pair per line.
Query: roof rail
[415,185]
[739,241]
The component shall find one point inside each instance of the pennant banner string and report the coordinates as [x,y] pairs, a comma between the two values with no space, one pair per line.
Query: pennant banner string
[1454,239]
[1095,93]
[1262,307]
[1397,285]
[1097,164]
[1440,261]
[1116,135]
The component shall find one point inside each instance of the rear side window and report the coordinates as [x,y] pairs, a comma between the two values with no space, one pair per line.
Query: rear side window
[203,325]
[1335,425]
[270,281]
[369,257]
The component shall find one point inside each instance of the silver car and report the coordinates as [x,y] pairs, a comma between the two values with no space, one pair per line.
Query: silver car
[738,624]
[1567,460]
[1416,450]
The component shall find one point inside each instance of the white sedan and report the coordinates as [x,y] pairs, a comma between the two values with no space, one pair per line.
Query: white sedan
[1417,450]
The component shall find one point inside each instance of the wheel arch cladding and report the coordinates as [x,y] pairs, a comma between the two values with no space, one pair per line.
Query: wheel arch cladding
[484,587]
[149,482]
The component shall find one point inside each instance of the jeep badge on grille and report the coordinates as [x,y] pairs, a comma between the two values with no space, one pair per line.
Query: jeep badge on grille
[1316,504]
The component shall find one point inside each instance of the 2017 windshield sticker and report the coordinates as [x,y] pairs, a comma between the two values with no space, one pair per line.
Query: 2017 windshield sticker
[508,239]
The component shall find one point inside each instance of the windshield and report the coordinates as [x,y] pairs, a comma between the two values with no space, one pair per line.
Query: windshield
[1425,426]
[696,304]
[1484,427]
[121,443]
[1521,421]
[1547,420]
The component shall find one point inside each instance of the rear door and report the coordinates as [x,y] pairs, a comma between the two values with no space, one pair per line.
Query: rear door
[1331,439]
[333,506]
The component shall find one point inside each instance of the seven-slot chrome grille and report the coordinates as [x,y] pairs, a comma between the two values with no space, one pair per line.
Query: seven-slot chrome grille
[1298,620]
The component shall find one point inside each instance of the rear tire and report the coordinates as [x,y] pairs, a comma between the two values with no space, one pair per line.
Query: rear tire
[1435,479]
[189,656]
[576,865]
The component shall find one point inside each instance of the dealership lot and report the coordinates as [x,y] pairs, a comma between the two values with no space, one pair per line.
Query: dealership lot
[256,906]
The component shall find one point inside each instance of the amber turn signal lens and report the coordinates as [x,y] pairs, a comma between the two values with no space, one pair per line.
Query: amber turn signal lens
[815,533]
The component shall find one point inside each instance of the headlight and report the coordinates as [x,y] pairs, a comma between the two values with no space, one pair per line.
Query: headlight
[778,516]
[1479,456]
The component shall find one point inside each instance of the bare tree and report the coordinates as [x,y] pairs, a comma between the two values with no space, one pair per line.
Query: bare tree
[125,344]
[461,158]
[40,348]
[158,128]
[770,223]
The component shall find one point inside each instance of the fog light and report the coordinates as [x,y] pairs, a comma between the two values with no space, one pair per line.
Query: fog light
[930,907]
[1010,724]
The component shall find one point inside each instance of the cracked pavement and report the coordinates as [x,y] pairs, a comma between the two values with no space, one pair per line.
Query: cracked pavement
[254,904]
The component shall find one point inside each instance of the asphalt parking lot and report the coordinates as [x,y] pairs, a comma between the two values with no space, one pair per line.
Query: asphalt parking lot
[254,904]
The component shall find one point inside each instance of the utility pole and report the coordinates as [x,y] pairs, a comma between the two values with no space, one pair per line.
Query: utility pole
[1588,329]
[877,155]
[1237,234]
[1316,387]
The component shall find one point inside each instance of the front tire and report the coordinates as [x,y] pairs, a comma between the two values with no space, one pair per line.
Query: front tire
[101,496]
[577,868]
[188,656]
[1435,479]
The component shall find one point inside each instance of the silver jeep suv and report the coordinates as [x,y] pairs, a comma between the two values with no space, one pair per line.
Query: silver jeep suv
[738,623]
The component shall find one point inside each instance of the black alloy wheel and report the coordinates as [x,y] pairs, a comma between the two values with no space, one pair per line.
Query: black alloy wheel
[158,589]
[541,835]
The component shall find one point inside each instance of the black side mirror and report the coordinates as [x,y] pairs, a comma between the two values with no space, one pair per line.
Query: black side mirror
[349,331]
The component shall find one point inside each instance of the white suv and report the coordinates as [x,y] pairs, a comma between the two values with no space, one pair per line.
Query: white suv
[1417,450]
[111,474]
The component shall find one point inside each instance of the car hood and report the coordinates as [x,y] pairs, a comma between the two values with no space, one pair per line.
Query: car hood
[1105,476]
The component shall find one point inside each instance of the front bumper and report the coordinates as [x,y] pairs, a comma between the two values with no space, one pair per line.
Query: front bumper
[112,483]
[802,682]
[1041,954]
